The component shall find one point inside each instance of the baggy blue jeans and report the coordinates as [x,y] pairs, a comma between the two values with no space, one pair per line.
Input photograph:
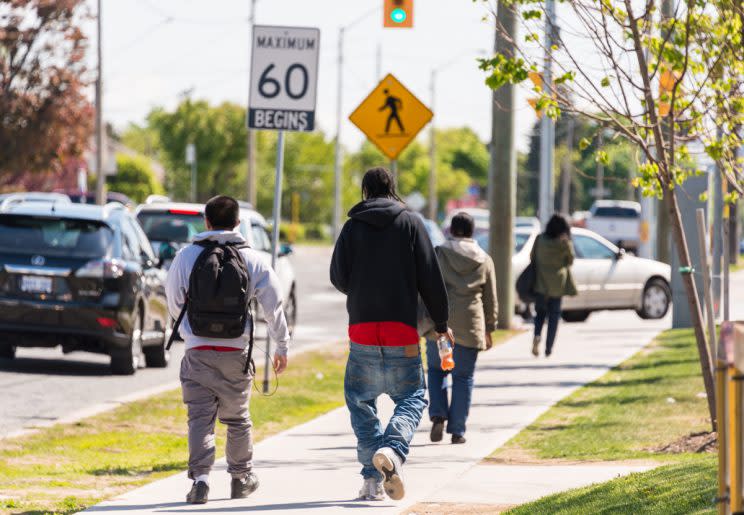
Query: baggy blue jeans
[455,412]
[370,372]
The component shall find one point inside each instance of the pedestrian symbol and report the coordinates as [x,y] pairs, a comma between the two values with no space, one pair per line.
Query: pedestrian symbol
[391,117]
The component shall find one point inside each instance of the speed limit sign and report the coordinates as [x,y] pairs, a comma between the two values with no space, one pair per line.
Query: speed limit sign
[284,78]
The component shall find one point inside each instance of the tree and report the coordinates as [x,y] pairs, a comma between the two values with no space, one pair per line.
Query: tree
[697,57]
[134,178]
[219,135]
[620,169]
[46,115]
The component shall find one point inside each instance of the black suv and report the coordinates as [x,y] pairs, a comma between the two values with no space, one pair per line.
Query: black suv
[84,277]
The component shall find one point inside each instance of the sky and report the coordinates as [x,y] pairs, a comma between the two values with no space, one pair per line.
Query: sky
[154,50]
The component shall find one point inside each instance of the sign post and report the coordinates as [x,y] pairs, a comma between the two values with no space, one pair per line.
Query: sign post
[391,117]
[283,91]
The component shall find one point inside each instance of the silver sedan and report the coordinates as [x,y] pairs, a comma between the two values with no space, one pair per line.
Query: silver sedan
[606,278]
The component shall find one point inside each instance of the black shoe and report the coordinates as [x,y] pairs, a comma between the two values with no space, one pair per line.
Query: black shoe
[242,488]
[437,429]
[458,439]
[199,493]
[548,353]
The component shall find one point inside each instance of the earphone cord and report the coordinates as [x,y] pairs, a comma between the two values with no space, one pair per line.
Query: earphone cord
[273,370]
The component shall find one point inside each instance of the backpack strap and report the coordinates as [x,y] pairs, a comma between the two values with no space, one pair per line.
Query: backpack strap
[249,364]
[174,331]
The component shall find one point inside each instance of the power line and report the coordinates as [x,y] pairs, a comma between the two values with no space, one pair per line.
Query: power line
[198,21]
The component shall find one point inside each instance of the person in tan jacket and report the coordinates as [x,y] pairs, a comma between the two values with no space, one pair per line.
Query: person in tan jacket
[470,280]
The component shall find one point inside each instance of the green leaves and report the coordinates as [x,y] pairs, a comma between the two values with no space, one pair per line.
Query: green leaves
[503,70]
[584,143]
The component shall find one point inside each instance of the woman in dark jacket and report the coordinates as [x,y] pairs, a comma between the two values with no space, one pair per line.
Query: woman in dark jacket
[553,256]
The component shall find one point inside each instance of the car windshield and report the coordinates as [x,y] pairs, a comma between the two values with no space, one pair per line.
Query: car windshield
[520,240]
[171,227]
[54,236]
[616,212]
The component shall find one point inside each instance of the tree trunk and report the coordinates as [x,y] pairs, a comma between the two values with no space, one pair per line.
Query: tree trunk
[693,301]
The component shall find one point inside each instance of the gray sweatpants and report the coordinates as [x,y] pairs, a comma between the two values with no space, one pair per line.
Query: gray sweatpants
[215,386]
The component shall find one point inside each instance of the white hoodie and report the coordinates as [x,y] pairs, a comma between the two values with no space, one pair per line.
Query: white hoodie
[264,285]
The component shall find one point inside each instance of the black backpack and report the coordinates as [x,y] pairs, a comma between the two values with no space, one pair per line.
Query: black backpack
[217,301]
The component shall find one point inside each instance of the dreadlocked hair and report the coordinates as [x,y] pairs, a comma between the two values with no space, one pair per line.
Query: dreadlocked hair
[379,183]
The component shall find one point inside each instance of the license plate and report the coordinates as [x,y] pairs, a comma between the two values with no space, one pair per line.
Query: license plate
[35,284]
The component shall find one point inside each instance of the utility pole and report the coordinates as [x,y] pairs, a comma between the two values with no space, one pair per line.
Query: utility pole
[252,181]
[433,150]
[378,67]
[100,175]
[547,125]
[599,194]
[502,173]
[663,226]
[337,154]
[338,157]
[567,164]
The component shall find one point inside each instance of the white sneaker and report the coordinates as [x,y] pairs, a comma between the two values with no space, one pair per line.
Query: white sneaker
[371,490]
[389,464]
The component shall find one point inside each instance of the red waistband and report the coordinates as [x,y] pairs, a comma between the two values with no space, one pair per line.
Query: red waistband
[386,334]
[216,348]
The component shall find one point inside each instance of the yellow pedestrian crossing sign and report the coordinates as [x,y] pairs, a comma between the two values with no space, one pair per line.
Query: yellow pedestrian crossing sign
[391,116]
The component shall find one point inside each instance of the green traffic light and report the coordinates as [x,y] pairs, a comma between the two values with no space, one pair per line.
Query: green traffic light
[398,15]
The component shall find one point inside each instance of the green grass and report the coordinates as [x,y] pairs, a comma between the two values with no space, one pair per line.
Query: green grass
[649,400]
[687,488]
[66,468]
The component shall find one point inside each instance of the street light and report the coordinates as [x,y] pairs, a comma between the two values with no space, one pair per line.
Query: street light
[339,113]
[432,130]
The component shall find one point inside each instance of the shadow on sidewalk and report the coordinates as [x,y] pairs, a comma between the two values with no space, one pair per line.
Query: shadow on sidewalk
[212,507]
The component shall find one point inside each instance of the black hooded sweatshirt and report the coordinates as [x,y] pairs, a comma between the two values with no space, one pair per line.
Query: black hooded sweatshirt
[383,261]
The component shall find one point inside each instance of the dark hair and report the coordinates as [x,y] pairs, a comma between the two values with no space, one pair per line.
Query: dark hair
[462,225]
[557,225]
[379,183]
[222,212]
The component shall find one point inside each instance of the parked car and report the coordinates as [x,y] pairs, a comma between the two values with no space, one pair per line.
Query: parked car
[480,216]
[606,277]
[82,277]
[175,224]
[111,196]
[618,221]
[7,199]
[432,229]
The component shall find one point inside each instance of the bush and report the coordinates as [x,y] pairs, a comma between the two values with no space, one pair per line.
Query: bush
[317,232]
[291,232]
[134,178]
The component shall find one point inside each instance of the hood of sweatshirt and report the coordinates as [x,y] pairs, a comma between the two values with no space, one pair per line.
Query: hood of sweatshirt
[220,236]
[463,255]
[378,212]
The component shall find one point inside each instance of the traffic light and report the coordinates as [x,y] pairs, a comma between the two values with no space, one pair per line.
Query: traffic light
[398,14]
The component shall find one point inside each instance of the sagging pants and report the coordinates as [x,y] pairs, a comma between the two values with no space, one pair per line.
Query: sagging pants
[375,370]
[215,386]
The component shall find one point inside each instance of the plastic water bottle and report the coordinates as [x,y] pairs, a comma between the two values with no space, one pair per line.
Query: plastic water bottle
[445,353]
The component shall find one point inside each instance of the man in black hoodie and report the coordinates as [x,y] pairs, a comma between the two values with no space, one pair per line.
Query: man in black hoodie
[382,262]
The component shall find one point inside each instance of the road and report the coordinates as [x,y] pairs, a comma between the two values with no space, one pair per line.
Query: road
[43,386]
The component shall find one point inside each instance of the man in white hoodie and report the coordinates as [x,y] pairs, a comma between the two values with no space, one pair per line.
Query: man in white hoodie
[214,380]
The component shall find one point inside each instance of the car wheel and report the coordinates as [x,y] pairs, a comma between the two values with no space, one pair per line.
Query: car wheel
[290,311]
[126,361]
[575,316]
[158,356]
[656,300]
[7,351]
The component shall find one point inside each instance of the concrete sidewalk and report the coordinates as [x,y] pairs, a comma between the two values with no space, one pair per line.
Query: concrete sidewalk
[312,468]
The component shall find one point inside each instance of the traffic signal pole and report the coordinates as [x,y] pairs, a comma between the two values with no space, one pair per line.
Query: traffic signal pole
[502,173]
